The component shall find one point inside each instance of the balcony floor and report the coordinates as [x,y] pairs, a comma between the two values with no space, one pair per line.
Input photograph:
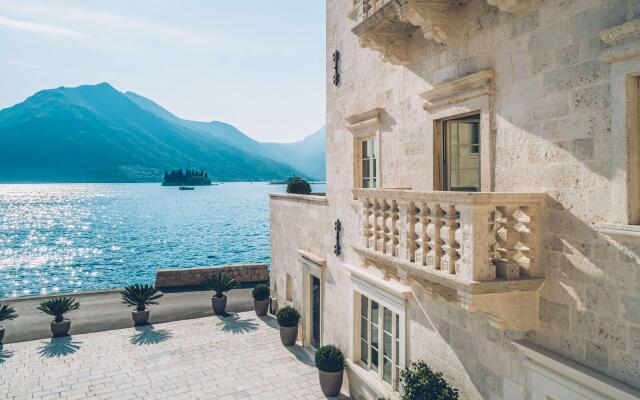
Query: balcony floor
[237,357]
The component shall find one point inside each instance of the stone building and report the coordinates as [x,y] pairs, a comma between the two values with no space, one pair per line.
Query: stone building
[483,162]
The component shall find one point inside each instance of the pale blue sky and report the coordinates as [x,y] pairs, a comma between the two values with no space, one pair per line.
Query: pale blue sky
[257,64]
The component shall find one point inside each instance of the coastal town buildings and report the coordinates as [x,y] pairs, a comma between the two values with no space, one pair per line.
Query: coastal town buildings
[483,164]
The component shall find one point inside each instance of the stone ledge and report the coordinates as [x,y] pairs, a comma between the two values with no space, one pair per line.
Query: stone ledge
[622,42]
[242,273]
[319,198]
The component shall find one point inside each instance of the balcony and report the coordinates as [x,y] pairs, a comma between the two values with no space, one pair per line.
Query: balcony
[480,249]
[388,26]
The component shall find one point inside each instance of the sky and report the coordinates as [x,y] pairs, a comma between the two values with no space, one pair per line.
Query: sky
[256,64]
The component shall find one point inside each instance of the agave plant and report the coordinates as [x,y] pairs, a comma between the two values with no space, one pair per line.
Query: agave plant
[220,283]
[140,296]
[7,313]
[58,307]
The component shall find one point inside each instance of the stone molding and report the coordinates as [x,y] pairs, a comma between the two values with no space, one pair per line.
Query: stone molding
[622,42]
[318,198]
[363,120]
[552,369]
[475,85]
[312,263]
[390,293]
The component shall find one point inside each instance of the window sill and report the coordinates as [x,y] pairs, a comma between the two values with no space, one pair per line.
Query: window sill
[628,233]
[371,380]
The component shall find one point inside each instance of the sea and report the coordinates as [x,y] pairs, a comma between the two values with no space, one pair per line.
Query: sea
[59,238]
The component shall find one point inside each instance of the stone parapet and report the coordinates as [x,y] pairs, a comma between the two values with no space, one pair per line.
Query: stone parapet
[243,273]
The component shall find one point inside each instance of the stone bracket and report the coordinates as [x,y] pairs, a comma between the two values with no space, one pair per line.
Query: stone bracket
[365,119]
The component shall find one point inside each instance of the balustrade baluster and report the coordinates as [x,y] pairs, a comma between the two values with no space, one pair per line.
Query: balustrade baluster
[377,229]
[366,222]
[394,234]
[385,221]
[435,244]
[507,238]
[412,219]
[448,234]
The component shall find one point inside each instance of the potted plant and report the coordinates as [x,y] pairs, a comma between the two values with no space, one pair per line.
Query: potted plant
[330,364]
[288,318]
[419,382]
[6,313]
[260,295]
[219,283]
[140,296]
[58,307]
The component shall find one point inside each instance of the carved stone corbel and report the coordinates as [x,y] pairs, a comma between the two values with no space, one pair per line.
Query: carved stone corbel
[394,47]
[437,20]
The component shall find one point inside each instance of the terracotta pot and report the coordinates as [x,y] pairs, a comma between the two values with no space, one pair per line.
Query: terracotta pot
[140,317]
[288,335]
[1,333]
[60,328]
[219,304]
[261,307]
[331,382]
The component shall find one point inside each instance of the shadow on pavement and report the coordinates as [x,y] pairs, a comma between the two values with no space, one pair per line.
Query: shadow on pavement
[147,334]
[59,347]
[4,354]
[237,326]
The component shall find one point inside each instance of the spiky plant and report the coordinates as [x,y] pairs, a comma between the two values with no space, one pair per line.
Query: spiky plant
[140,296]
[58,307]
[7,313]
[219,283]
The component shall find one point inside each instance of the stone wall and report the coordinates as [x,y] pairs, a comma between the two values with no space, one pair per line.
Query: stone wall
[551,132]
[243,273]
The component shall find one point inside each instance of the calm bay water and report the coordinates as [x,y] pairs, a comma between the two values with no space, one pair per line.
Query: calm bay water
[70,237]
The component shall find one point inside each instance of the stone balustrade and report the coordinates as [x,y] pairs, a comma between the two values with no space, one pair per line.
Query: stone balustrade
[474,236]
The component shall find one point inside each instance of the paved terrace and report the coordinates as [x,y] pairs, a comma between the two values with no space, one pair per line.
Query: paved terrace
[237,357]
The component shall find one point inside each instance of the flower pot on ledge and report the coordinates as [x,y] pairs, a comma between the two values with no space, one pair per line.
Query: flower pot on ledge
[140,317]
[288,335]
[60,328]
[219,304]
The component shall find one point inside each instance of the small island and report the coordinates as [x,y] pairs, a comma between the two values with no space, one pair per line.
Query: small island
[189,177]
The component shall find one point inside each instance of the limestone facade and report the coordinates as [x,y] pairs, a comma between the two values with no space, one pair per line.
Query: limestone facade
[529,287]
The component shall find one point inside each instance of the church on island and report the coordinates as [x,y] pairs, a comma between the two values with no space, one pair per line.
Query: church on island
[482,207]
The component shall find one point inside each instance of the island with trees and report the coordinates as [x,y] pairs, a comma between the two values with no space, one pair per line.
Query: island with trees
[189,177]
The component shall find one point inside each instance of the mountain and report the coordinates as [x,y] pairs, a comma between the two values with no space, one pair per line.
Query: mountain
[94,133]
[307,155]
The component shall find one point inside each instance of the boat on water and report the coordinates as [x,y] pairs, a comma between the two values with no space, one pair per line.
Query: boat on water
[186,188]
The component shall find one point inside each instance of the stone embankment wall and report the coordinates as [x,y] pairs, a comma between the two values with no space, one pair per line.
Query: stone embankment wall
[243,273]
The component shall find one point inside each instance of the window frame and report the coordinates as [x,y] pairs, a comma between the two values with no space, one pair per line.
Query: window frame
[358,158]
[444,161]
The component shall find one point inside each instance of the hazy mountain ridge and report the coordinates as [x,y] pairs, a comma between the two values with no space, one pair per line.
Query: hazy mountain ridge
[94,133]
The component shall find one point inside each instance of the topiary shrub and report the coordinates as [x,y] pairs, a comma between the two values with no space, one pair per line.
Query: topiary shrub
[288,317]
[261,292]
[298,186]
[419,382]
[329,358]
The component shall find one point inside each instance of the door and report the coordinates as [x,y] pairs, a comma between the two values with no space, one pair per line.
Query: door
[461,154]
[315,311]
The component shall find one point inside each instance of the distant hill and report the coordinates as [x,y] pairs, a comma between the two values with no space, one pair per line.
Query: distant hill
[95,133]
[307,155]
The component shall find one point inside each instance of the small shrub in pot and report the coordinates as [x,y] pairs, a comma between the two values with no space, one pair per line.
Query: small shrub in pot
[260,295]
[419,382]
[288,318]
[6,313]
[58,307]
[140,296]
[220,283]
[298,185]
[330,363]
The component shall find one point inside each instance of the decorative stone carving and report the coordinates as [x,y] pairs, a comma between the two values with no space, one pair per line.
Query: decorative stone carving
[459,90]
[388,27]
[622,42]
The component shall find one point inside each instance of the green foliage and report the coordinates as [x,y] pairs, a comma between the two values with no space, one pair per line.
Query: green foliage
[329,358]
[298,185]
[288,317]
[219,283]
[140,296]
[261,292]
[58,307]
[419,382]
[7,313]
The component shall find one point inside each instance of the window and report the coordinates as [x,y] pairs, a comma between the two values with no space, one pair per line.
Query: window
[368,156]
[461,154]
[380,340]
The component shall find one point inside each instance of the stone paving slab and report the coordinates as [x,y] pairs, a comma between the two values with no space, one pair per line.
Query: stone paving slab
[237,357]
